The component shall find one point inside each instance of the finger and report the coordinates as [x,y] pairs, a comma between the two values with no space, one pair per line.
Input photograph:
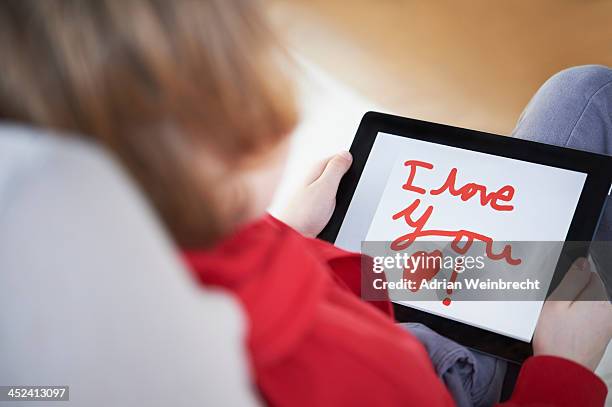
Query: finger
[336,167]
[316,171]
[595,298]
[574,281]
[594,290]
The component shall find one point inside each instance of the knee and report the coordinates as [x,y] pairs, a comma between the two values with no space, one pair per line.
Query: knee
[570,99]
[579,81]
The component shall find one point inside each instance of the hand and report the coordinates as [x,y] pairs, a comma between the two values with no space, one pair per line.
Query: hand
[579,330]
[312,206]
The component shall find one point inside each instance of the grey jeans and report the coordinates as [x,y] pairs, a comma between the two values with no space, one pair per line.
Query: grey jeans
[572,109]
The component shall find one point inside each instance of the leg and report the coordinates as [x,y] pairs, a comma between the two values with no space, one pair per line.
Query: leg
[574,109]
[474,379]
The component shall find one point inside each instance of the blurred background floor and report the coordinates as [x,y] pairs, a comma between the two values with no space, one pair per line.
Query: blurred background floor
[472,63]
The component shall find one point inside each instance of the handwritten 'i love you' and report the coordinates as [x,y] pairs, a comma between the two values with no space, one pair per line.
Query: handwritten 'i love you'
[497,200]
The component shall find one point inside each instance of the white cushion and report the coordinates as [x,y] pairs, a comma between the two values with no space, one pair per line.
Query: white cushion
[92,293]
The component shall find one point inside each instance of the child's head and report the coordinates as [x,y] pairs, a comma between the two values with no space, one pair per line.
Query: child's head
[191,95]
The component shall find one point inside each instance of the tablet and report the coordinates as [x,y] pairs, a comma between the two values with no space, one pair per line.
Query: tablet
[455,196]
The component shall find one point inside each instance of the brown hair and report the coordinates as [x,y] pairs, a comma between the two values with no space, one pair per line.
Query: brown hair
[156,81]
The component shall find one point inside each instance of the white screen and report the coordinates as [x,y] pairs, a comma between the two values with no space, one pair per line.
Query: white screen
[543,204]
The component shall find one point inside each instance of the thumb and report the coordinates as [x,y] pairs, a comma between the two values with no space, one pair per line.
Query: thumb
[574,281]
[335,168]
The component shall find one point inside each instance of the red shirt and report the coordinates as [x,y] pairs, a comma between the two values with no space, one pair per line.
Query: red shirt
[314,342]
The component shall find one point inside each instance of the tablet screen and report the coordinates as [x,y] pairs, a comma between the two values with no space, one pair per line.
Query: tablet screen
[409,185]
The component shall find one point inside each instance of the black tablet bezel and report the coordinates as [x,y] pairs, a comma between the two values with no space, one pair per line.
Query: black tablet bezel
[597,185]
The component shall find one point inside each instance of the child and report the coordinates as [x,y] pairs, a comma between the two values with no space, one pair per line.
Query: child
[194,99]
